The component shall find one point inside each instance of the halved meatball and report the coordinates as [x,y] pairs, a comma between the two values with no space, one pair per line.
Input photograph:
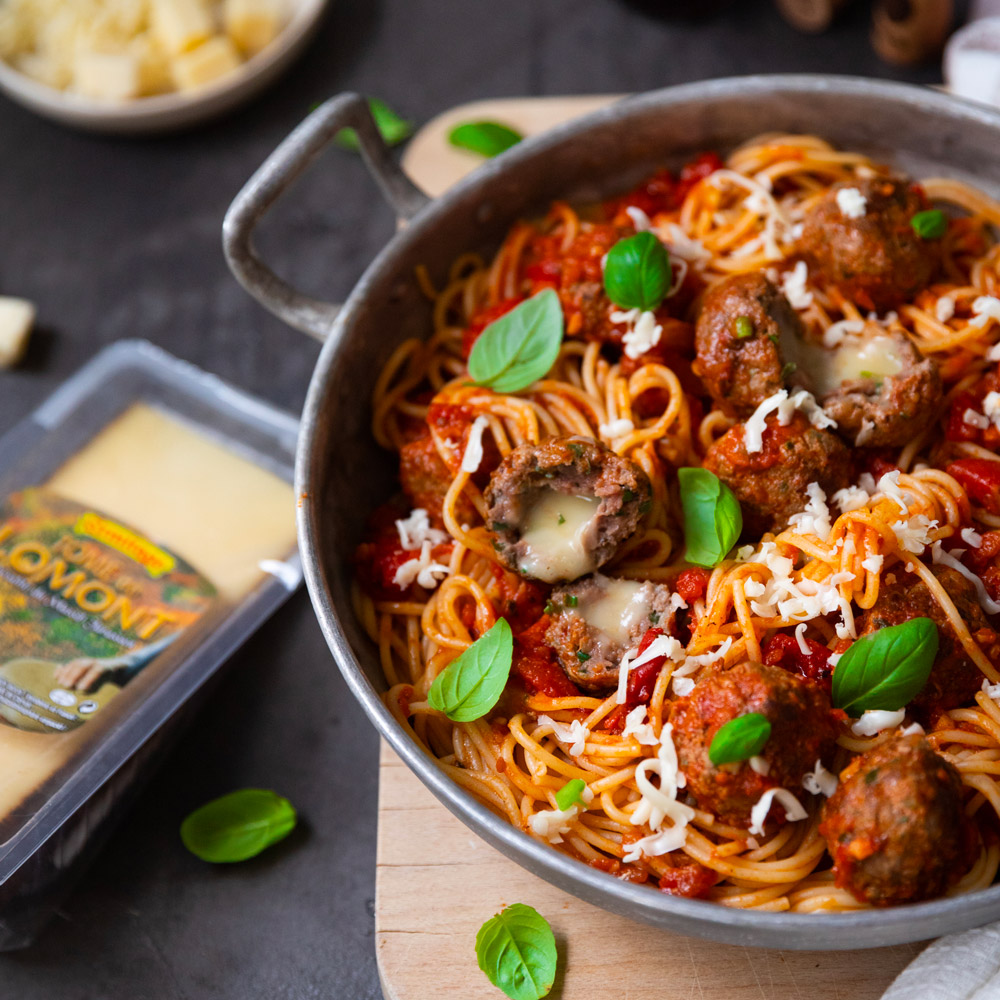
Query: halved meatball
[895,826]
[561,509]
[954,679]
[802,731]
[770,484]
[876,259]
[747,340]
[596,620]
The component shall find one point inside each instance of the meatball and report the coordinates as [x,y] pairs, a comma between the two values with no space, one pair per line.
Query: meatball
[895,826]
[596,620]
[876,259]
[747,340]
[882,391]
[770,484]
[561,509]
[802,732]
[954,679]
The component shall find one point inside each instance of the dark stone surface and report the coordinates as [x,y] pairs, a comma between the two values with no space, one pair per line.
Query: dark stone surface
[120,238]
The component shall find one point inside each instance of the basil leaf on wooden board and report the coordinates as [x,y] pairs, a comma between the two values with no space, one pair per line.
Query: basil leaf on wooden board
[930,225]
[472,684]
[886,670]
[712,516]
[238,826]
[484,138]
[393,128]
[637,272]
[570,793]
[519,347]
[517,951]
[740,739]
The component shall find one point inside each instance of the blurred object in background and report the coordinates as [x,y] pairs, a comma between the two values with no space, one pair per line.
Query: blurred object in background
[811,15]
[972,61]
[681,10]
[979,9]
[907,32]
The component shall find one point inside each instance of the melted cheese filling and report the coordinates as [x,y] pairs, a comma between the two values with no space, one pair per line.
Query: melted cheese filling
[553,537]
[855,359]
[618,608]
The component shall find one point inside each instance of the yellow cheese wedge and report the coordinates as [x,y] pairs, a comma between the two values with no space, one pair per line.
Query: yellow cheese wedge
[180,25]
[205,64]
[253,24]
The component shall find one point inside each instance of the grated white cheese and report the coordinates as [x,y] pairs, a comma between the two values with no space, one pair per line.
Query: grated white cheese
[971,537]
[474,449]
[985,310]
[416,529]
[639,218]
[762,202]
[553,823]
[944,309]
[993,354]
[975,419]
[793,284]
[616,428]
[987,603]
[852,203]
[800,638]
[682,686]
[575,734]
[784,406]
[759,765]
[815,519]
[888,485]
[874,721]
[991,407]
[662,645]
[681,245]
[865,433]
[913,729]
[833,659]
[643,332]
[793,808]
[873,562]
[422,570]
[851,498]
[636,725]
[913,535]
[819,781]
[836,332]
[991,691]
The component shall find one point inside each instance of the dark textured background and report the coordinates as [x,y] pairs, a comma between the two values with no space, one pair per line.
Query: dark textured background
[120,238]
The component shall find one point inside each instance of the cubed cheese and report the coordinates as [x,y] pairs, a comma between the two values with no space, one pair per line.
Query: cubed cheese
[107,76]
[180,25]
[253,24]
[16,319]
[205,64]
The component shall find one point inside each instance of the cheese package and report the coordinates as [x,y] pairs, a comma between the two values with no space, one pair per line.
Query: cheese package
[147,527]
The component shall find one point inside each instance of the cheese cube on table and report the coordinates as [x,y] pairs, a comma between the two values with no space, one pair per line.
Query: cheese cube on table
[253,24]
[205,64]
[180,25]
[17,316]
[108,76]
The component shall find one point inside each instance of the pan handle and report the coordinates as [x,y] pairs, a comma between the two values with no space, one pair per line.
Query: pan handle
[276,174]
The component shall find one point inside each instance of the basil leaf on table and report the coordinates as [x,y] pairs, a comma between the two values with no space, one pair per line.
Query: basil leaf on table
[519,347]
[570,793]
[886,670]
[486,138]
[740,739]
[238,826]
[517,951]
[637,272]
[930,225]
[393,128]
[472,684]
[712,516]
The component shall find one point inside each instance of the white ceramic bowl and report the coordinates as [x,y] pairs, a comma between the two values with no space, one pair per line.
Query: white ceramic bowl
[175,110]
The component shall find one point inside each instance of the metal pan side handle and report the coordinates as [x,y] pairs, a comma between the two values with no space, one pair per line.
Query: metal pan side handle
[278,172]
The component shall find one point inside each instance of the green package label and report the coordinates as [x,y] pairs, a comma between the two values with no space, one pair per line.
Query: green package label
[86,603]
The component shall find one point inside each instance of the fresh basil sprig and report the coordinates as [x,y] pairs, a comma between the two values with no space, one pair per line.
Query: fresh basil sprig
[238,826]
[712,516]
[637,272]
[517,951]
[393,128]
[519,347]
[740,739]
[472,684]
[887,669]
[570,793]
[484,138]
[930,225]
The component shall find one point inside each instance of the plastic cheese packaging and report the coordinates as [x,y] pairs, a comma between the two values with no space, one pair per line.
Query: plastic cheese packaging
[147,528]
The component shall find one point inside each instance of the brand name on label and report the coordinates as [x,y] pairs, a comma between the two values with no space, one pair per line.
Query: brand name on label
[151,557]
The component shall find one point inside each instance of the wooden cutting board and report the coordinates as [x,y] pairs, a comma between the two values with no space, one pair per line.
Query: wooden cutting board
[436,881]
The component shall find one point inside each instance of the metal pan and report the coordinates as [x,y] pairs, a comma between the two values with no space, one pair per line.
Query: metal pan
[341,474]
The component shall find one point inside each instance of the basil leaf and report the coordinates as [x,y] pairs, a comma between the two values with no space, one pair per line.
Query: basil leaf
[238,826]
[930,225]
[485,138]
[887,669]
[712,516]
[517,951]
[637,272]
[519,347]
[570,793]
[391,127]
[740,739]
[472,684]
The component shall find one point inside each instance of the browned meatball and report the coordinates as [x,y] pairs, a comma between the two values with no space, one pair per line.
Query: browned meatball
[876,260]
[770,484]
[895,826]
[561,509]
[747,340]
[954,679]
[880,410]
[802,732]
[596,620]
